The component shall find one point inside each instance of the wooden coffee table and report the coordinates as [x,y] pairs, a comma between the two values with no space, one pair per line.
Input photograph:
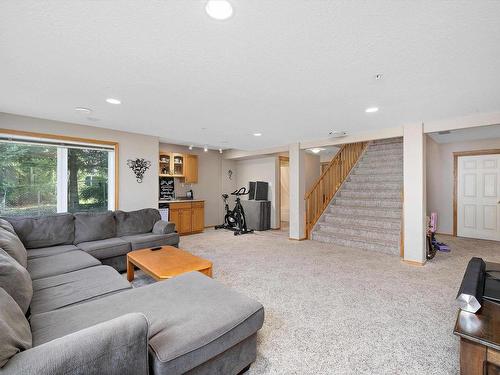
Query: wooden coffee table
[166,263]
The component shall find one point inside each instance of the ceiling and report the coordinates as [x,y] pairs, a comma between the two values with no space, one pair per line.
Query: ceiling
[470,134]
[291,69]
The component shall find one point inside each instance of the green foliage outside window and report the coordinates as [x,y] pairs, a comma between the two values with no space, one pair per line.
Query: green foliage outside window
[28,179]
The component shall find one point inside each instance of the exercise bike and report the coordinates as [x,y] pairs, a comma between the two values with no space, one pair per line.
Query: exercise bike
[235,219]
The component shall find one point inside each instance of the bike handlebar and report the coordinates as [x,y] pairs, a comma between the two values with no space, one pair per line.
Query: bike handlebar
[240,191]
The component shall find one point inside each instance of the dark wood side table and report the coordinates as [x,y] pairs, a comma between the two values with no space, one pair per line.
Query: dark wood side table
[480,338]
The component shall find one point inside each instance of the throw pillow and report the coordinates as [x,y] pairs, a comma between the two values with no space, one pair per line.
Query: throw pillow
[15,280]
[14,247]
[15,333]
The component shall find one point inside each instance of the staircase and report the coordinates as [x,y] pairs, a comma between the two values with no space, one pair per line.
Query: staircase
[366,211]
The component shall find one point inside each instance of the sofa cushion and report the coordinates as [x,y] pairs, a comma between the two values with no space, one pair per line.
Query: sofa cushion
[206,319]
[15,334]
[13,246]
[108,248]
[93,226]
[15,280]
[48,251]
[4,224]
[44,231]
[136,222]
[59,291]
[141,241]
[60,263]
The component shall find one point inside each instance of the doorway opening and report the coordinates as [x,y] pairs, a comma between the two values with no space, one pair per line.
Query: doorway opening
[284,187]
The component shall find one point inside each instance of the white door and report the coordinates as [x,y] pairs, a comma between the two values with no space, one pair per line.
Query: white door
[478,208]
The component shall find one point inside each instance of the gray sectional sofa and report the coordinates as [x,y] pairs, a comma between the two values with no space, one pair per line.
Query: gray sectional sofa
[65,310]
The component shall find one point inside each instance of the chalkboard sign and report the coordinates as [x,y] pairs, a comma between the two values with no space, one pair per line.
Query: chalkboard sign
[166,188]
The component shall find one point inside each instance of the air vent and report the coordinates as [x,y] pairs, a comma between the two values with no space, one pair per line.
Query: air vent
[444,132]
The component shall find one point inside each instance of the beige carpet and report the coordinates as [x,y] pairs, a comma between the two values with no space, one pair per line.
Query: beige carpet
[333,310]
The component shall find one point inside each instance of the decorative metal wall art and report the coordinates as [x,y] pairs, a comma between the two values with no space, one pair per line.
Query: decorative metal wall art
[139,166]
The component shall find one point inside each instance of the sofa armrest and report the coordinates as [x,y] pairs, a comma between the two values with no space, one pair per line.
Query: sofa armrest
[118,346]
[164,227]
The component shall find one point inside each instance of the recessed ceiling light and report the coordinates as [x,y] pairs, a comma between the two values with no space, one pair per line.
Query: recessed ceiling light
[205,149]
[113,101]
[190,147]
[257,134]
[219,9]
[316,150]
[83,110]
[371,110]
[337,133]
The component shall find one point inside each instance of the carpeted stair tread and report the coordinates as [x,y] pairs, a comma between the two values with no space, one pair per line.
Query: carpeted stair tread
[374,193]
[362,217]
[372,185]
[359,229]
[368,202]
[365,211]
[357,242]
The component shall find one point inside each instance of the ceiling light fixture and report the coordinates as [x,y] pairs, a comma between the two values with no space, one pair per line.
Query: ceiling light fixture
[220,150]
[83,110]
[205,149]
[257,134]
[113,101]
[337,134]
[316,150]
[371,110]
[219,9]
[190,147]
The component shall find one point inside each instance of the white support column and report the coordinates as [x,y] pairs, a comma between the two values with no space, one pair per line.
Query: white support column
[297,191]
[62,179]
[414,194]
[111,180]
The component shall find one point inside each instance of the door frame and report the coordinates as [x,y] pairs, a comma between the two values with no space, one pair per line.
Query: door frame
[281,160]
[456,155]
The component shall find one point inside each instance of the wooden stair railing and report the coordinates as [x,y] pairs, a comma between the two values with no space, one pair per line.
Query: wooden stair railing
[323,190]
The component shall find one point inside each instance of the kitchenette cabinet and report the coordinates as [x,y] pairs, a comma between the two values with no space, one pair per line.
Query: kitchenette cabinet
[188,216]
[183,166]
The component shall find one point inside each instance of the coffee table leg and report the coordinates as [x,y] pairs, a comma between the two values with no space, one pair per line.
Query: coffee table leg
[130,270]
[208,272]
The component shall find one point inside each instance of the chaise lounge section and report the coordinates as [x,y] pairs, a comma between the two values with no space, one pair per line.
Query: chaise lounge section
[85,318]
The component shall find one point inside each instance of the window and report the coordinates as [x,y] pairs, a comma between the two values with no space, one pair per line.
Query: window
[39,176]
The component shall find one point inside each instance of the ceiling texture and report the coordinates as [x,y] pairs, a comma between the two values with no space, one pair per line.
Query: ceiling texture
[293,70]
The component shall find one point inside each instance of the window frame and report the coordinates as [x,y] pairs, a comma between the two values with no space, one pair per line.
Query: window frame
[114,167]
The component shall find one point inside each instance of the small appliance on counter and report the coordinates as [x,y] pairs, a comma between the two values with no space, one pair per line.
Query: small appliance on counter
[189,194]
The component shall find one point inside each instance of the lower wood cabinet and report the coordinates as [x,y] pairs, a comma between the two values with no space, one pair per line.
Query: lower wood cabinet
[189,217]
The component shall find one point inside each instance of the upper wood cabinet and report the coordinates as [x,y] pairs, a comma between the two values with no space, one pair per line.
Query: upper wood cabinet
[191,169]
[175,164]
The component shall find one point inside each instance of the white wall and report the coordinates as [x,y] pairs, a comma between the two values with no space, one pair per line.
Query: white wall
[313,169]
[213,180]
[132,195]
[440,177]
[261,169]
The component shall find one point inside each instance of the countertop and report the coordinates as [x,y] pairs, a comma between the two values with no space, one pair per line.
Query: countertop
[182,200]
